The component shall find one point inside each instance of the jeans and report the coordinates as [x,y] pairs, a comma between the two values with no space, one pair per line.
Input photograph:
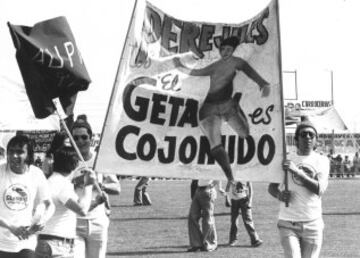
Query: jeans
[54,248]
[243,205]
[301,239]
[202,206]
[91,237]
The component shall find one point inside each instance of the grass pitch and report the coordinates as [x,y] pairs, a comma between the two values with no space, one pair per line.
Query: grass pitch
[160,230]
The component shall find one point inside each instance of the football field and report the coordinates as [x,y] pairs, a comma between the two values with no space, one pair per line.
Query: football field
[160,230]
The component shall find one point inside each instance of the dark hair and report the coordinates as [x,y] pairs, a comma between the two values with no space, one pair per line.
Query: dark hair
[22,140]
[57,142]
[65,160]
[230,41]
[81,117]
[81,122]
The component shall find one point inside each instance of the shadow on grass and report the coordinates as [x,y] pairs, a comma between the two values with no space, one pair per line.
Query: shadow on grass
[150,218]
[219,214]
[340,213]
[236,246]
[123,206]
[152,252]
[136,253]
[165,218]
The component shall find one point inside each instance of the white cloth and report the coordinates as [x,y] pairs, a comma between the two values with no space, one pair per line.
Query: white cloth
[304,204]
[19,192]
[63,222]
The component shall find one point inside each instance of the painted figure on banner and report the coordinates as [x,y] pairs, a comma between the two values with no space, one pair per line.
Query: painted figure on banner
[219,104]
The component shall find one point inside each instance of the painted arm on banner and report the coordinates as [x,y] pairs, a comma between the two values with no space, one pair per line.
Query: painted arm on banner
[206,71]
[244,66]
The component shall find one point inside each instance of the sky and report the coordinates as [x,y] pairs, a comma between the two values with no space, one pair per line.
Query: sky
[317,37]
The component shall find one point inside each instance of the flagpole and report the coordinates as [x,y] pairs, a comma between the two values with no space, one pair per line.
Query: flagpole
[120,67]
[96,183]
[286,180]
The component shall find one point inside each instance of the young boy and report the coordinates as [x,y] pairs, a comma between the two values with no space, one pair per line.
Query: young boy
[241,198]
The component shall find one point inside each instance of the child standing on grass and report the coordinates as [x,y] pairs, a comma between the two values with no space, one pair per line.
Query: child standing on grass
[241,199]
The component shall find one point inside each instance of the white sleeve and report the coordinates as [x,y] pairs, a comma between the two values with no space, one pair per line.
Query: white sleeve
[43,189]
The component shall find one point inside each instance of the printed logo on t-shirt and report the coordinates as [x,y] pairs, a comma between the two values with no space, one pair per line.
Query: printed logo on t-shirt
[308,169]
[16,197]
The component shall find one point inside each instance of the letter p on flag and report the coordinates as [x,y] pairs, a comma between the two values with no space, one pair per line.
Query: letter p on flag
[50,64]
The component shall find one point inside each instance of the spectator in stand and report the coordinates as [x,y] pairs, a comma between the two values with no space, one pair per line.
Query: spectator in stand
[57,238]
[25,204]
[338,166]
[356,163]
[301,224]
[346,164]
[332,160]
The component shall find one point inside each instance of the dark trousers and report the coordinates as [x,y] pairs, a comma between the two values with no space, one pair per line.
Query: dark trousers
[193,187]
[243,205]
[141,196]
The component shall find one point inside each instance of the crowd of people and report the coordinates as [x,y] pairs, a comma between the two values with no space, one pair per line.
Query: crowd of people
[342,166]
[62,210]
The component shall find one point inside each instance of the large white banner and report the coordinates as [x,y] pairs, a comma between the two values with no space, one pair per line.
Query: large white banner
[170,72]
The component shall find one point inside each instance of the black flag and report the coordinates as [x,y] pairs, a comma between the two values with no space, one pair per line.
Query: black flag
[50,64]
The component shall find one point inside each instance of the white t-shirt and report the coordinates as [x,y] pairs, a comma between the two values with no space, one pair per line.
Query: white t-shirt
[63,222]
[304,204]
[18,195]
